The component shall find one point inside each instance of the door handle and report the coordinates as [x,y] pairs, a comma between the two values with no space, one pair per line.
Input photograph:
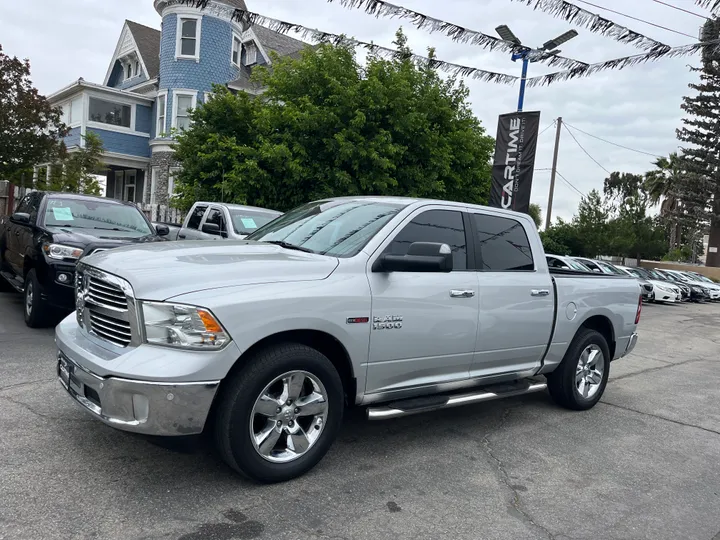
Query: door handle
[462,293]
[181,236]
[539,292]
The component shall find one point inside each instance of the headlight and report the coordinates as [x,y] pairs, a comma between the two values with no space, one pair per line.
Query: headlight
[663,288]
[177,325]
[58,251]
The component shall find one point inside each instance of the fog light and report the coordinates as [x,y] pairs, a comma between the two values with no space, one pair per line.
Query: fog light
[63,278]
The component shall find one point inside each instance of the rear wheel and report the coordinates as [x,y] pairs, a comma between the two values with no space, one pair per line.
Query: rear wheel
[279,415]
[579,381]
[37,311]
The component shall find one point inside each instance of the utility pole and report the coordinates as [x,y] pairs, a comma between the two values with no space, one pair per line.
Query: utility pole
[548,218]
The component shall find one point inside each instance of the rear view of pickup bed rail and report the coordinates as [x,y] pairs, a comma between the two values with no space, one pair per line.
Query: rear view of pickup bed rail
[398,305]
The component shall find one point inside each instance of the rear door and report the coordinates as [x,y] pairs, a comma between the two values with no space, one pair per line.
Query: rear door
[191,228]
[424,325]
[515,293]
[14,253]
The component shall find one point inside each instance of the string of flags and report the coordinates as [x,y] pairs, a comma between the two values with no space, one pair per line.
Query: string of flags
[712,5]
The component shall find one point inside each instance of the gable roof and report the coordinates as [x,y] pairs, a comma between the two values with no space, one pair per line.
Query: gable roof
[274,41]
[148,43]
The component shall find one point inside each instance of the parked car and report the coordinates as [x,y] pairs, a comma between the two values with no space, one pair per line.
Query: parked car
[663,290]
[217,221]
[658,276]
[698,293]
[42,241]
[566,263]
[712,289]
[608,268]
[401,305]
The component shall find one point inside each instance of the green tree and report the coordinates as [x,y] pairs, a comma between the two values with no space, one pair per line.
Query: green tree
[699,188]
[536,214]
[73,172]
[590,227]
[326,126]
[661,185]
[29,126]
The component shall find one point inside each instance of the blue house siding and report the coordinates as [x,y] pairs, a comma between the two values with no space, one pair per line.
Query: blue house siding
[117,78]
[143,118]
[73,138]
[215,64]
[129,83]
[123,143]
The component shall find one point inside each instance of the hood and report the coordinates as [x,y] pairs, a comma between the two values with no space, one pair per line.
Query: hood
[96,238]
[163,270]
[665,284]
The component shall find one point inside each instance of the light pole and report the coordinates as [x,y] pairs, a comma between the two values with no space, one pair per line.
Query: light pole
[528,55]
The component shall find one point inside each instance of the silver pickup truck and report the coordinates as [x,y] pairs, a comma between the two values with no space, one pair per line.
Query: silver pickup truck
[397,305]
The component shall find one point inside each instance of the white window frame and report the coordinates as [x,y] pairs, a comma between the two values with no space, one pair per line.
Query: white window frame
[172,173]
[110,127]
[136,68]
[154,175]
[178,38]
[183,92]
[130,181]
[237,40]
[254,46]
[127,67]
[158,131]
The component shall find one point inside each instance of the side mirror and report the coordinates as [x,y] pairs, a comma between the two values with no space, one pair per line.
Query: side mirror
[20,217]
[421,257]
[211,228]
[162,230]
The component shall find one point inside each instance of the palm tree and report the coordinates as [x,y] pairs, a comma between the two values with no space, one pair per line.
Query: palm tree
[660,185]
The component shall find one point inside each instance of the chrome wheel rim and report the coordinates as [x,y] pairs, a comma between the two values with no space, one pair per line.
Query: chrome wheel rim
[289,416]
[589,372]
[29,299]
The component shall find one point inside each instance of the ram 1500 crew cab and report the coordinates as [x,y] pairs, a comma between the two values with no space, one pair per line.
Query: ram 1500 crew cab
[397,305]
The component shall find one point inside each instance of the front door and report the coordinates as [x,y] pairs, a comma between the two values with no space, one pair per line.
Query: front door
[424,325]
[516,300]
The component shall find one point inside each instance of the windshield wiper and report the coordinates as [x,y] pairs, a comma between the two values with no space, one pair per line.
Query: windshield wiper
[287,245]
[110,229]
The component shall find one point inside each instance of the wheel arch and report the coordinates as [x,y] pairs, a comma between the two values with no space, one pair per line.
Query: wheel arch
[604,326]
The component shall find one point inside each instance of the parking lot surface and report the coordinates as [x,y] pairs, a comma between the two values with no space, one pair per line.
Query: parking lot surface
[644,463]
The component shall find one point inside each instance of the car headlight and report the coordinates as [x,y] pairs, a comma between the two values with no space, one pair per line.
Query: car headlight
[58,251]
[663,288]
[183,326]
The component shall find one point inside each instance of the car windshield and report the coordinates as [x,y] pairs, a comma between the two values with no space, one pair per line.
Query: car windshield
[96,215]
[700,277]
[609,268]
[340,228]
[657,275]
[248,221]
[575,265]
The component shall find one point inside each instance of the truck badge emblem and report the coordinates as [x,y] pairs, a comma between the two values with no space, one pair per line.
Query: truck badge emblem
[389,322]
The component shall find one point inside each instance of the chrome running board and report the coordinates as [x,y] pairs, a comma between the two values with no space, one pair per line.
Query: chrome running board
[406,407]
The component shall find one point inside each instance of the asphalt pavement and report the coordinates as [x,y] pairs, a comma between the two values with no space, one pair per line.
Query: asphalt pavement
[643,464]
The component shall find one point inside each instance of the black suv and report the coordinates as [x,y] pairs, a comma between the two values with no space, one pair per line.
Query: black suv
[43,240]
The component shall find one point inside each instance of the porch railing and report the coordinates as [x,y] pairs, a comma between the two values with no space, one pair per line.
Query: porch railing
[161,213]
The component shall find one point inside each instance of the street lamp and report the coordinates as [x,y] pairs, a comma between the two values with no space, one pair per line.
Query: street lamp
[527,54]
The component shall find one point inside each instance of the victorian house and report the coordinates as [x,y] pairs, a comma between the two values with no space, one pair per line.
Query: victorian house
[154,77]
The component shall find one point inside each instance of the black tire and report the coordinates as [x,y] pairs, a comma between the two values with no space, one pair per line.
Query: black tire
[37,312]
[237,399]
[561,382]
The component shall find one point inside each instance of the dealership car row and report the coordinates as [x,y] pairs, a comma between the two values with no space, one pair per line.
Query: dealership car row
[656,284]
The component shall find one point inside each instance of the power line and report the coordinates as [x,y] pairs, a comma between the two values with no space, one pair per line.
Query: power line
[548,127]
[569,184]
[680,9]
[637,19]
[612,143]
[586,152]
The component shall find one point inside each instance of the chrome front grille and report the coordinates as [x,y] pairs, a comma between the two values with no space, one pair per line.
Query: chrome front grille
[106,294]
[106,306]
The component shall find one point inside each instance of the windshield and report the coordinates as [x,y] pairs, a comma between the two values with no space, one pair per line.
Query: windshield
[575,265]
[700,277]
[249,221]
[95,215]
[657,275]
[609,268]
[338,228]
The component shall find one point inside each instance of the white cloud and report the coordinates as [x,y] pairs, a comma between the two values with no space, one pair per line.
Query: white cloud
[637,107]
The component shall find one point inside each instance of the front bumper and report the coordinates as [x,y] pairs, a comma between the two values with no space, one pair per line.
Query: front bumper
[667,296]
[166,409]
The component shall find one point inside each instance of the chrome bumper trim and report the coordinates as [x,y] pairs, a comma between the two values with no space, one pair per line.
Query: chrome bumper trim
[152,408]
[631,344]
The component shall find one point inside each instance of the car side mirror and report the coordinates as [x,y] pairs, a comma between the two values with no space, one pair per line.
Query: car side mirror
[20,217]
[421,257]
[162,230]
[211,228]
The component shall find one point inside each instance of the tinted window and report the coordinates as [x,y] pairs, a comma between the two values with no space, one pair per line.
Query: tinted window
[503,244]
[196,217]
[24,206]
[215,216]
[121,220]
[439,226]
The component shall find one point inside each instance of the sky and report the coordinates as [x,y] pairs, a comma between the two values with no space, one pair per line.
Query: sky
[637,107]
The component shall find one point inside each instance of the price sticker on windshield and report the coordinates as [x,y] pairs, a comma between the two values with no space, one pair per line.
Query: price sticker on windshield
[249,223]
[63,214]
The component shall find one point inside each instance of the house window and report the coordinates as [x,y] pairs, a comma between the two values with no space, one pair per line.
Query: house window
[161,114]
[108,112]
[130,178]
[182,103]
[137,68]
[188,38]
[236,50]
[250,54]
[76,111]
[128,71]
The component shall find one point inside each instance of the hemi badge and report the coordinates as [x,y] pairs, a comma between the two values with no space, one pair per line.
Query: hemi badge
[358,320]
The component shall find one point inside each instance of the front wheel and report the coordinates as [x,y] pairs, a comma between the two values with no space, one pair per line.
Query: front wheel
[279,415]
[37,311]
[579,381]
